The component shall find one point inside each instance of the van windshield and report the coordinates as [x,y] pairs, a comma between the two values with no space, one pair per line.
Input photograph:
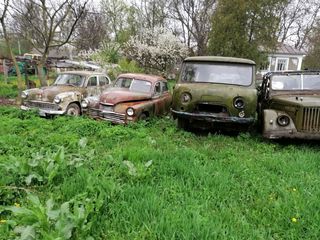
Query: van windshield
[225,73]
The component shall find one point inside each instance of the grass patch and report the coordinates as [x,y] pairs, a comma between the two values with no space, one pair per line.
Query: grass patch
[76,178]
[10,89]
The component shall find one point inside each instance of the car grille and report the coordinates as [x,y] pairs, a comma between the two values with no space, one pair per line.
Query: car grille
[42,105]
[93,112]
[311,119]
[210,108]
[108,108]
[113,116]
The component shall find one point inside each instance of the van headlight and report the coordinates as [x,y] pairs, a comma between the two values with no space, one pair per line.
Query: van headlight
[185,98]
[57,100]
[130,112]
[24,95]
[238,103]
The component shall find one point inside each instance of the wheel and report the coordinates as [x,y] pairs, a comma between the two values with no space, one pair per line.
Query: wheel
[183,123]
[73,110]
[143,117]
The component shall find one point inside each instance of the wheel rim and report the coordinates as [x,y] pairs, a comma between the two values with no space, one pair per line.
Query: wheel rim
[73,112]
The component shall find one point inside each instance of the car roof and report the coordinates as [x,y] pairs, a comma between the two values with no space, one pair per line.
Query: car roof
[141,76]
[83,73]
[219,59]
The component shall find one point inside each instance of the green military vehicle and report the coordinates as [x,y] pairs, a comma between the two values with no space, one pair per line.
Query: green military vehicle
[289,105]
[216,92]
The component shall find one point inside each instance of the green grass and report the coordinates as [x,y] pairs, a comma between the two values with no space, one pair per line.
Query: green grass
[152,181]
[10,89]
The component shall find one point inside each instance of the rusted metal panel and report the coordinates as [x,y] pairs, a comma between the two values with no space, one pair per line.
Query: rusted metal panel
[45,98]
[113,103]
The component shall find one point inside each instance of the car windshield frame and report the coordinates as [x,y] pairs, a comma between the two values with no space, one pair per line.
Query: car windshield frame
[61,80]
[295,82]
[220,70]
[134,83]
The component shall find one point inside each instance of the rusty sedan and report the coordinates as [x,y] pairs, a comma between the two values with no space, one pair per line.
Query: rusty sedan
[133,97]
[66,93]
[289,105]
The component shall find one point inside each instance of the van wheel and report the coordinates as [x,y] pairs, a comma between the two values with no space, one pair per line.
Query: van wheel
[183,123]
[73,110]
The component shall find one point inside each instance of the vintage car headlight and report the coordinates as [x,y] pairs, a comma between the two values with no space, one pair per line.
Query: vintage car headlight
[57,99]
[283,120]
[238,103]
[185,98]
[130,112]
[85,103]
[24,94]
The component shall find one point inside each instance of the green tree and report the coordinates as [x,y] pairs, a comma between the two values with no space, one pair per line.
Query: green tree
[311,61]
[242,28]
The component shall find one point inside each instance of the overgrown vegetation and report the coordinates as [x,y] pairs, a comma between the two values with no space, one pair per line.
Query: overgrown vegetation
[10,89]
[75,178]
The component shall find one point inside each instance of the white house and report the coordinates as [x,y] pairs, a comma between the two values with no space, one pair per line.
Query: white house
[283,58]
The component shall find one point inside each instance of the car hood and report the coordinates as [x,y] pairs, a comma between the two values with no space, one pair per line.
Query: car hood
[48,93]
[298,100]
[116,95]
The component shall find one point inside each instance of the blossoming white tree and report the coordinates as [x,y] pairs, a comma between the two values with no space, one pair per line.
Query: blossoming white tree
[156,49]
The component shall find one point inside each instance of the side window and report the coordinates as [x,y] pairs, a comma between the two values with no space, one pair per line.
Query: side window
[157,88]
[103,81]
[92,82]
[164,87]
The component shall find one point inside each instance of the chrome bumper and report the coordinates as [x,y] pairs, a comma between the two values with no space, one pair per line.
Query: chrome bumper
[43,112]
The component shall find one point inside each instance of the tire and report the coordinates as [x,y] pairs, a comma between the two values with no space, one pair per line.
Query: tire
[73,110]
[183,124]
[143,117]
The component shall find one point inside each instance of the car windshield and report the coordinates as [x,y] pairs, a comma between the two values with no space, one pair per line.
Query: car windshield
[296,82]
[134,85]
[69,79]
[236,74]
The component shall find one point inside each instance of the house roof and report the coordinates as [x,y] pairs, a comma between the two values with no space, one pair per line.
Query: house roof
[283,48]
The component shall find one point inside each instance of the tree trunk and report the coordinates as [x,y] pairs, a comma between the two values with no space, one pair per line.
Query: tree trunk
[20,85]
[5,71]
[13,57]
[41,74]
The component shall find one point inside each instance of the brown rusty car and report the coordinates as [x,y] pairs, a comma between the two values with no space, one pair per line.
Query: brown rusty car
[133,97]
[66,93]
[289,105]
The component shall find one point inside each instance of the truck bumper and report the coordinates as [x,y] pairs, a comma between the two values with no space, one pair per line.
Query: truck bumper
[212,118]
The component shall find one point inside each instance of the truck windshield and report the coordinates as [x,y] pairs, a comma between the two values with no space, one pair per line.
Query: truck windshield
[134,85]
[225,73]
[296,82]
[69,79]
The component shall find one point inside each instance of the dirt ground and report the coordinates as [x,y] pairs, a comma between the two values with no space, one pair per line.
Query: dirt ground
[7,101]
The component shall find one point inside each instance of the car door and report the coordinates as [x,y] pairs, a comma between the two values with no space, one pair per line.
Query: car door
[159,99]
[104,83]
[92,88]
[167,97]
